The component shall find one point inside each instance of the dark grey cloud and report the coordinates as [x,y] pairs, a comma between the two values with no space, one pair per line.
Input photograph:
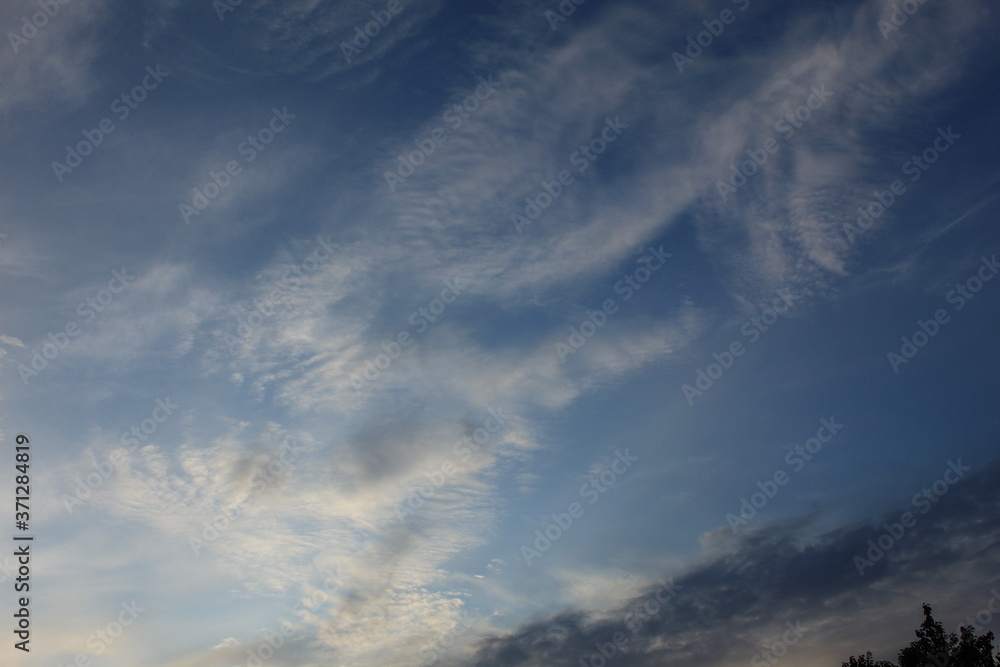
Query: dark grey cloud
[787,573]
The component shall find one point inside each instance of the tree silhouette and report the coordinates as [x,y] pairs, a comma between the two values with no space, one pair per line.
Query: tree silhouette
[867,661]
[933,647]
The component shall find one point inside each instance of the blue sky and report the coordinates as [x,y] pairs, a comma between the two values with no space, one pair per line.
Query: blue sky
[476,331]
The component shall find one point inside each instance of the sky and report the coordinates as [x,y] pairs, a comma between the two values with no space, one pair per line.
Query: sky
[423,332]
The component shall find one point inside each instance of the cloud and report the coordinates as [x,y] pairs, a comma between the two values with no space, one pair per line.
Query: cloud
[257,375]
[52,66]
[306,37]
[273,526]
[745,589]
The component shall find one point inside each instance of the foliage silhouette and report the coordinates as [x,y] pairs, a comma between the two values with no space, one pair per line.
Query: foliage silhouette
[935,648]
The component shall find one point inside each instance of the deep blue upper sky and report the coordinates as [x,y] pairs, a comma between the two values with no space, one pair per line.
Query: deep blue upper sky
[413,306]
